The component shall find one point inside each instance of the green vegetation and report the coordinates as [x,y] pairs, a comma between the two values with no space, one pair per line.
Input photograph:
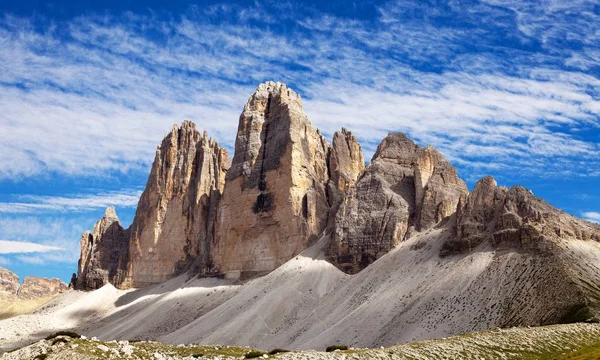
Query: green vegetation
[10,308]
[254,354]
[557,342]
[331,348]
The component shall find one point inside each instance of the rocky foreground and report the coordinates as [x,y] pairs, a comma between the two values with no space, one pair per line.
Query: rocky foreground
[549,342]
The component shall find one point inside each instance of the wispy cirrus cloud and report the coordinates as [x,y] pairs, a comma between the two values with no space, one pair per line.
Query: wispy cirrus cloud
[592,216]
[76,203]
[20,247]
[496,90]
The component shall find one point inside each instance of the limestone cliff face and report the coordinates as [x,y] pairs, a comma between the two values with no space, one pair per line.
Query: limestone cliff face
[346,164]
[512,218]
[275,202]
[437,188]
[175,218]
[173,227]
[104,253]
[404,189]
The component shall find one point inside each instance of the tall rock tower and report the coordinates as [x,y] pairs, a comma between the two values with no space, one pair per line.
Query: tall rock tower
[275,200]
[175,218]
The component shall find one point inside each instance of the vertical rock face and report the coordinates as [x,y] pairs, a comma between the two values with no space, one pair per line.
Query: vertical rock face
[404,189]
[9,282]
[346,164]
[275,199]
[174,224]
[175,219]
[346,161]
[104,253]
[437,188]
[34,287]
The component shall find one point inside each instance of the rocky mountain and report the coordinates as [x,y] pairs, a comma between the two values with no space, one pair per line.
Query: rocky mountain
[282,184]
[299,245]
[32,287]
[426,257]
[173,227]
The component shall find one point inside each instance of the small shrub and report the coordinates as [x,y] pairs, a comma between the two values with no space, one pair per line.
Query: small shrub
[278,351]
[254,354]
[198,355]
[59,340]
[70,334]
[41,357]
[336,347]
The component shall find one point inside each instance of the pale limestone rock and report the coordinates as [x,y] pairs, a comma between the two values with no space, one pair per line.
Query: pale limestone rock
[34,287]
[104,253]
[406,188]
[274,203]
[376,213]
[346,161]
[9,283]
[437,188]
[174,222]
[511,219]
[346,164]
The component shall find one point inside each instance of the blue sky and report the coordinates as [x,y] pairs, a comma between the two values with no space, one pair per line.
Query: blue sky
[88,89]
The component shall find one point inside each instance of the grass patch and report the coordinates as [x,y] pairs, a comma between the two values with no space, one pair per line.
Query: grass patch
[10,308]
[254,354]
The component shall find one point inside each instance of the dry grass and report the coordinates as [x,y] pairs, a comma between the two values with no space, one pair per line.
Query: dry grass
[10,308]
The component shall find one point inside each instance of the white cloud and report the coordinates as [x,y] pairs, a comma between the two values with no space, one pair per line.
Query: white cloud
[97,95]
[592,216]
[32,203]
[15,247]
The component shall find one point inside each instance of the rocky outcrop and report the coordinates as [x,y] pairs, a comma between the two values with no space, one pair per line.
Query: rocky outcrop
[275,200]
[104,253]
[405,189]
[175,219]
[512,219]
[9,282]
[34,287]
